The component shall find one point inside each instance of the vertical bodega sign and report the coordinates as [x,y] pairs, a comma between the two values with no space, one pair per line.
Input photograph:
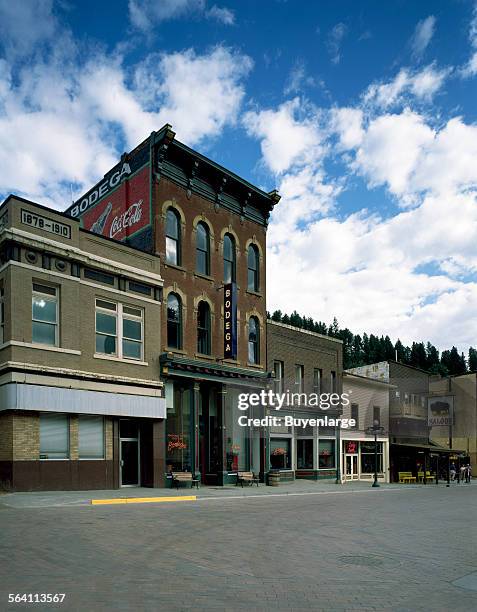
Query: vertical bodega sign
[230,321]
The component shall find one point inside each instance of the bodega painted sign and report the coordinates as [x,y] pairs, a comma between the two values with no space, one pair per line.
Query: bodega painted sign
[230,321]
[118,206]
[124,212]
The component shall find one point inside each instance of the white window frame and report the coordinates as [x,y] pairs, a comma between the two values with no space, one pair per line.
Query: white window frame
[317,380]
[299,381]
[120,316]
[278,367]
[39,294]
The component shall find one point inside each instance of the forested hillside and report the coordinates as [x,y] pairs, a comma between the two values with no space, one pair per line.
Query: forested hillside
[361,349]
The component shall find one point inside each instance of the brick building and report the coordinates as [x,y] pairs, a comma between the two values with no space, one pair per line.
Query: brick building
[310,363]
[81,403]
[208,226]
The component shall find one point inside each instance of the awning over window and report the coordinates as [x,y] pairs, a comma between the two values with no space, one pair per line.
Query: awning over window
[173,365]
[19,396]
[433,448]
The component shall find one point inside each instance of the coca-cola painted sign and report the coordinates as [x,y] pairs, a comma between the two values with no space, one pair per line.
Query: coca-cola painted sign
[124,212]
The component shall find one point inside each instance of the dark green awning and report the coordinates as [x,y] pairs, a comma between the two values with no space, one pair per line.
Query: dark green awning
[430,447]
[173,365]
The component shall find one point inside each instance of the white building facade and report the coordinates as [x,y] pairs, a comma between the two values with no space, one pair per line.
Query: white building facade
[368,403]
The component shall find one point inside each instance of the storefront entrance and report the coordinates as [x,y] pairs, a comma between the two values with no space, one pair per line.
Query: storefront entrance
[129,453]
[210,427]
[351,467]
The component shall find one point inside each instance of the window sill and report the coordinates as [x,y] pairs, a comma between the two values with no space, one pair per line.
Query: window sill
[177,351]
[204,356]
[91,459]
[255,366]
[174,267]
[256,293]
[55,459]
[204,276]
[120,359]
[41,347]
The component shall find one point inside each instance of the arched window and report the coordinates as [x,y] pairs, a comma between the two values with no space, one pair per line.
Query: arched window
[253,340]
[203,249]
[173,237]
[229,259]
[203,328]
[253,266]
[174,321]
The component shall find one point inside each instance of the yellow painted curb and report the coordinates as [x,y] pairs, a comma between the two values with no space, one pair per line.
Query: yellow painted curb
[141,500]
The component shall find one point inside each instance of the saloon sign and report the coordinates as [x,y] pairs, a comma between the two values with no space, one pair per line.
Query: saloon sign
[230,321]
[440,411]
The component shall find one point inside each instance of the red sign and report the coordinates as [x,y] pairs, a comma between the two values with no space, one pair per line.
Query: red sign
[124,212]
[351,447]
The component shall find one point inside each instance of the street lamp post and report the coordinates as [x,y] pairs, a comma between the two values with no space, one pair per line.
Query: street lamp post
[375,429]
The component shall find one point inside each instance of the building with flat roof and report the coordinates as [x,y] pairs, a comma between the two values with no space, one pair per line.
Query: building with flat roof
[208,226]
[81,402]
[310,363]
[368,405]
[412,448]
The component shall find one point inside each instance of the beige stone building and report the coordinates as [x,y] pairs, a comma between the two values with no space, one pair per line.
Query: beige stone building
[81,403]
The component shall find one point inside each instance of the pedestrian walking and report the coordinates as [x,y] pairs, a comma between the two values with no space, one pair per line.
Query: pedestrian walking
[452,472]
[468,473]
[462,473]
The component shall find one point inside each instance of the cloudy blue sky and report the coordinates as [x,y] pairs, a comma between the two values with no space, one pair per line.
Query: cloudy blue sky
[362,113]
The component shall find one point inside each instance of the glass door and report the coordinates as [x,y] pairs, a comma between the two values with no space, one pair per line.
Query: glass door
[129,453]
[351,467]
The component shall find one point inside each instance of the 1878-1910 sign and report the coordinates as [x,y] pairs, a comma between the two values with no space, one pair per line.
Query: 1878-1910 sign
[230,321]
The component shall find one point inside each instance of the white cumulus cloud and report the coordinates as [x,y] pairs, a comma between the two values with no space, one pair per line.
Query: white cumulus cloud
[68,113]
[407,85]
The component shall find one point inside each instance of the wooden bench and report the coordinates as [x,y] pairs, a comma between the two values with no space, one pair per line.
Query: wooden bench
[406,477]
[185,477]
[247,477]
[420,476]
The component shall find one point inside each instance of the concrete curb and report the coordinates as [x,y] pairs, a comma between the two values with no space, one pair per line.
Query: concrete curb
[141,500]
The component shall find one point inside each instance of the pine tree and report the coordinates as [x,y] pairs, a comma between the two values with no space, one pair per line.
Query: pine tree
[472,363]
[418,355]
[361,350]
[432,355]
[454,362]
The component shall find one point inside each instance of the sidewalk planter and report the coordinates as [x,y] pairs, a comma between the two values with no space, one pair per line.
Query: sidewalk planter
[273,478]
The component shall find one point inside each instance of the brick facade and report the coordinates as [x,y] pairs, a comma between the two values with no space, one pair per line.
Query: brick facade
[6,436]
[313,351]
[192,287]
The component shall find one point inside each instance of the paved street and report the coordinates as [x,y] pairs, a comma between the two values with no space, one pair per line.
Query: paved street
[394,548]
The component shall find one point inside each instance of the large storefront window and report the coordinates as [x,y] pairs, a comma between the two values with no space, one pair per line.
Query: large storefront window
[326,454]
[367,457]
[178,423]
[237,437]
[304,454]
[280,453]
